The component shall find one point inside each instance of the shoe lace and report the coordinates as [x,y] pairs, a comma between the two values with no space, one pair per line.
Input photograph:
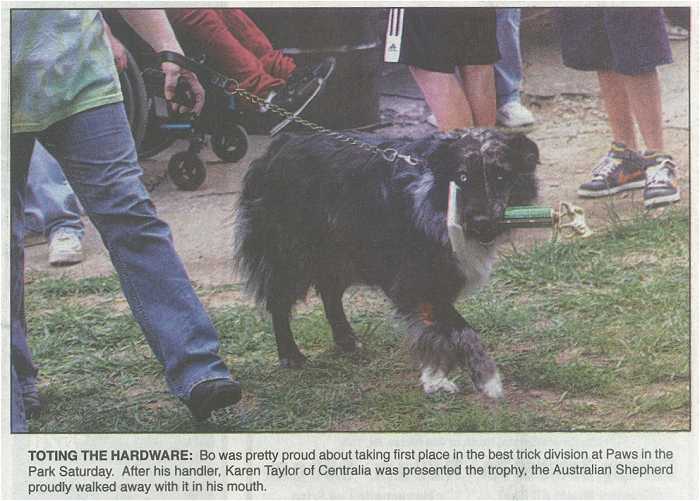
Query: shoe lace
[605,166]
[64,239]
[663,174]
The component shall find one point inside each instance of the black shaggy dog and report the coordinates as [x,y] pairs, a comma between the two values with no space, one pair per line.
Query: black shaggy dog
[318,212]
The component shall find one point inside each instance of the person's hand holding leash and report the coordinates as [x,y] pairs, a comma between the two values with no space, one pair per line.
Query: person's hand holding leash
[187,81]
[152,25]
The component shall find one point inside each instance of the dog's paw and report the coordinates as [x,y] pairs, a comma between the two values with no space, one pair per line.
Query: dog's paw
[346,341]
[293,361]
[492,388]
[434,381]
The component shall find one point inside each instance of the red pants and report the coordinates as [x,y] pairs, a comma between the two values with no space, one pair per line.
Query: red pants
[234,46]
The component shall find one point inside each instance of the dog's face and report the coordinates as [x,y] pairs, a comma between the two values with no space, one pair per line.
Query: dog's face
[493,171]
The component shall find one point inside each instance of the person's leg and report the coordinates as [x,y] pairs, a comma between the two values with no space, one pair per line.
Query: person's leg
[22,363]
[50,203]
[509,69]
[617,105]
[480,90]
[252,38]
[18,419]
[622,168]
[224,51]
[639,44]
[97,152]
[661,186]
[644,95]
[477,40]
[445,98]
[52,209]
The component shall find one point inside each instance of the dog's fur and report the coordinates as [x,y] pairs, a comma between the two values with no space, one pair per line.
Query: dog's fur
[318,212]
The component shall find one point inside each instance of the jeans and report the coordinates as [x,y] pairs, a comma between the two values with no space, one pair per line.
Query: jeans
[509,70]
[18,420]
[50,203]
[97,153]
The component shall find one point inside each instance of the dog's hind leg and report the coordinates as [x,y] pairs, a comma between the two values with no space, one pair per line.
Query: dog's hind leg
[287,349]
[443,340]
[331,292]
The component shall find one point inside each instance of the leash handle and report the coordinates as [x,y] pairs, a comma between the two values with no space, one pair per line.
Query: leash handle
[206,75]
[155,81]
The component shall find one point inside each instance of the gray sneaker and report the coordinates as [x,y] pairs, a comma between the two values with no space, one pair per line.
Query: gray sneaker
[621,169]
[65,248]
[661,187]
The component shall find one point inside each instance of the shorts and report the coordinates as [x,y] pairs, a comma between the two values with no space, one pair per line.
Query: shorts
[441,39]
[627,40]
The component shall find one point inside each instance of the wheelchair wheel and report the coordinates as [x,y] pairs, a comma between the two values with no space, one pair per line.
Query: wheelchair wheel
[187,170]
[231,145]
[135,99]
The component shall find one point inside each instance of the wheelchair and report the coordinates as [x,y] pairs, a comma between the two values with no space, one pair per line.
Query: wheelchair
[219,123]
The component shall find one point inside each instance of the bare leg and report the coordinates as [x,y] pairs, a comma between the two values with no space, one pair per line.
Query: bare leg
[445,98]
[617,106]
[479,86]
[644,92]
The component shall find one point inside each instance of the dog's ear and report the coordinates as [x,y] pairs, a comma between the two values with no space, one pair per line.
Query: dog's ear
[527,154]
[441,157]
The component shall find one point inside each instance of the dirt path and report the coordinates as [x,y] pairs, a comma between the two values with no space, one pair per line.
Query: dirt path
[571,132]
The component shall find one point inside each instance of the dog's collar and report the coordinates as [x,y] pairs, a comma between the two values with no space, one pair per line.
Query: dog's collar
[392,154]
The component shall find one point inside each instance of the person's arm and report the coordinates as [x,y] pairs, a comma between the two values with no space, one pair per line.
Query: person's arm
[153,26]
[117,48]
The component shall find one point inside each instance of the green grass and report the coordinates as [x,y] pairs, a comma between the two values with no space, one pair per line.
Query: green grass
[589,335]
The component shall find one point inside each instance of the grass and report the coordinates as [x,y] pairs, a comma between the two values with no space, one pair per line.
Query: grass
[589,335]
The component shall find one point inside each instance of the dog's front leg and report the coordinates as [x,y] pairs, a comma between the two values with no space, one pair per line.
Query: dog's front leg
[444,340]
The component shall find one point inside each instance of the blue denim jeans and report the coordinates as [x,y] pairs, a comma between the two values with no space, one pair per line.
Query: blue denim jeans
[509,70]
[96,150]
[50,203]
[18,420]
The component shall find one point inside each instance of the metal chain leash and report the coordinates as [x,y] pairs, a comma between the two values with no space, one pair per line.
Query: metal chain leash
[389,154]
[232,87]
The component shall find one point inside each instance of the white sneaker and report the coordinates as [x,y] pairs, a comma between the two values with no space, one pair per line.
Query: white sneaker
[676,32]
[65,248]
[514,114]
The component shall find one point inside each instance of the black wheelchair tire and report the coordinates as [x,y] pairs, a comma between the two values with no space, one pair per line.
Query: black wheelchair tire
[232,144]
[135,99]
[187,170]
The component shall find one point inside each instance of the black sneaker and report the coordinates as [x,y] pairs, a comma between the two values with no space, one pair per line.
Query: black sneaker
[292,99]
[31,401]
[661,187]
[621,169]
[212,395]
[322,70]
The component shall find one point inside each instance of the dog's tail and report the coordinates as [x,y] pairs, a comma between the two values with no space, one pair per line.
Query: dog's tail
[249,260]
[254,231]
